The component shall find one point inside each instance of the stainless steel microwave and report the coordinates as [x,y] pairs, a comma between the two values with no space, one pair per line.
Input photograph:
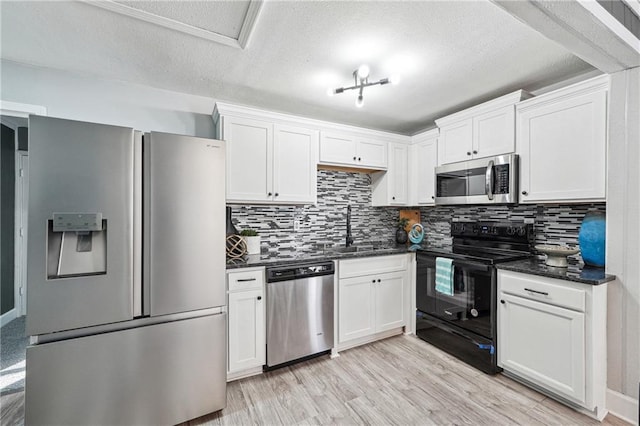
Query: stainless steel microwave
[491,180]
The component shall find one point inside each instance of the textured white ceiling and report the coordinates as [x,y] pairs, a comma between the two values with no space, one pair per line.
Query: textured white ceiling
[449,54]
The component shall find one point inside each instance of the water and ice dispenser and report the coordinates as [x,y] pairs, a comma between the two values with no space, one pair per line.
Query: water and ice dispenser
[76,245]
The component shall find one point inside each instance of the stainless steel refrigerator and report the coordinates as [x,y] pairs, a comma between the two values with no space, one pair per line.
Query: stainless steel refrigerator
[126,275]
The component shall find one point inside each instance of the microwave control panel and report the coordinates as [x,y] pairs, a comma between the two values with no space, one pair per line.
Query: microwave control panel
[501,180]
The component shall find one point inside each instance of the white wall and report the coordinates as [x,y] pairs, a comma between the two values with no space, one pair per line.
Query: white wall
[623,233]
[67,95]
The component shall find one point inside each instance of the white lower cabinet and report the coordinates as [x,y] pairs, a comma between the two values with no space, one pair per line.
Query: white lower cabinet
[356,308]
[544,343]
[246,320]
[389,308]
[374,301]
[551,333]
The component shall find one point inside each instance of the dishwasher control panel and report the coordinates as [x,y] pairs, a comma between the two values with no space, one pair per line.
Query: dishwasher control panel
[297,272]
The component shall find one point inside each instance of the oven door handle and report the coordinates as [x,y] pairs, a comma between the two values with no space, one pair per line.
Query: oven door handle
[476,266]
[488,180]
[429,261]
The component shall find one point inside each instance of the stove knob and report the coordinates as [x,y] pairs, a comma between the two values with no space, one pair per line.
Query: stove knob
[521,231]
[510,230]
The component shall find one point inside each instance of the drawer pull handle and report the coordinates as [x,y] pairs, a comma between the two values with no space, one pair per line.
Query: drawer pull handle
[259,297]
[544,293]
[244,280]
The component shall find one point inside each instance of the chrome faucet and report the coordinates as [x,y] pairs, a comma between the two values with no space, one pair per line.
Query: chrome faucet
[349,237]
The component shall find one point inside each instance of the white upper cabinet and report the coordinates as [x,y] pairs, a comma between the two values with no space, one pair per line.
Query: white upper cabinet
[249,159]
[268,162]
[295,156]
[494,132]
[337,148]
[423,160]
[456,140]
[371,153]
[485,130]
[390,188]
[343,149]
[562,143]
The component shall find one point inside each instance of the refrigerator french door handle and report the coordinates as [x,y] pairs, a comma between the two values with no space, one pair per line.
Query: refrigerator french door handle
[488,180]
[146,224]
[137,225]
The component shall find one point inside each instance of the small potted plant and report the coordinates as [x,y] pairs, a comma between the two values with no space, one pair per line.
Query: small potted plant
[401,233]
[252,239]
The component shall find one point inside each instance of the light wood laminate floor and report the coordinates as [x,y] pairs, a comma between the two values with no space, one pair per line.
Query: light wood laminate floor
[398,381]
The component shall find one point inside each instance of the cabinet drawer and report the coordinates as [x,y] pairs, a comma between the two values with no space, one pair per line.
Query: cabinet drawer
[372,265]
[546,290]
[246,280]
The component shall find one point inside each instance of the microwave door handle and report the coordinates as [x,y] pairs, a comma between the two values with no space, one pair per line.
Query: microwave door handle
[488,180]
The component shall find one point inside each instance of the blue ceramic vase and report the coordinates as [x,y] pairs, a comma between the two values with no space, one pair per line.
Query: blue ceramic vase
[592,239]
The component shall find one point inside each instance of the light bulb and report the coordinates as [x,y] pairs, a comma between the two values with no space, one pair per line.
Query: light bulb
[394,79]
[359,101]
[330,92]
[363,71]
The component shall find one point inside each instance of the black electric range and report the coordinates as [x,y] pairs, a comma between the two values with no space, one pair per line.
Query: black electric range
[464,323]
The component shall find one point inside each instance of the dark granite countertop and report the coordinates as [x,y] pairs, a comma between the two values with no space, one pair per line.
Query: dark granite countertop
[577,273]
[273,259]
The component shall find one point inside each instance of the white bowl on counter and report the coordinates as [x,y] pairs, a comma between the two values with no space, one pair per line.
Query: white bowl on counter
[556,254]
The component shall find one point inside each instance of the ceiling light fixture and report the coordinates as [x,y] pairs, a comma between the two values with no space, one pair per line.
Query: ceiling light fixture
[361,80]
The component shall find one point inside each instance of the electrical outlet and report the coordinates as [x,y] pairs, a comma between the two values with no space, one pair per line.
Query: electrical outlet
[296,225]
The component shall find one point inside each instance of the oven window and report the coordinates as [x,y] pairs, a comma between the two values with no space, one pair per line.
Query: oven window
[470,305]
[461,183]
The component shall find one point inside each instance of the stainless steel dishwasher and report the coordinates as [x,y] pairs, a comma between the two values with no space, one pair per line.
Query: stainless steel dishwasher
[299,311]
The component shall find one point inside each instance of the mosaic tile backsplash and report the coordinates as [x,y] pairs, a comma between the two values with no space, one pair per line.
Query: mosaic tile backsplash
[325,222]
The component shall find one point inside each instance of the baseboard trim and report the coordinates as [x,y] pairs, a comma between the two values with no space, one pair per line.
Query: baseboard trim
[8,316]
[622,406]
[244,373]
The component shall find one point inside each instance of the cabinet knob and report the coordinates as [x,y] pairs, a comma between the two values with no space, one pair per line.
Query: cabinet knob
[373,281]
[503,302]
[359,159]
[475,152]
[354,158]
[525,193]
[276,194]
[468,153]
[378,279]
[268,194]
[393,198]
[259,297]
[433,197]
